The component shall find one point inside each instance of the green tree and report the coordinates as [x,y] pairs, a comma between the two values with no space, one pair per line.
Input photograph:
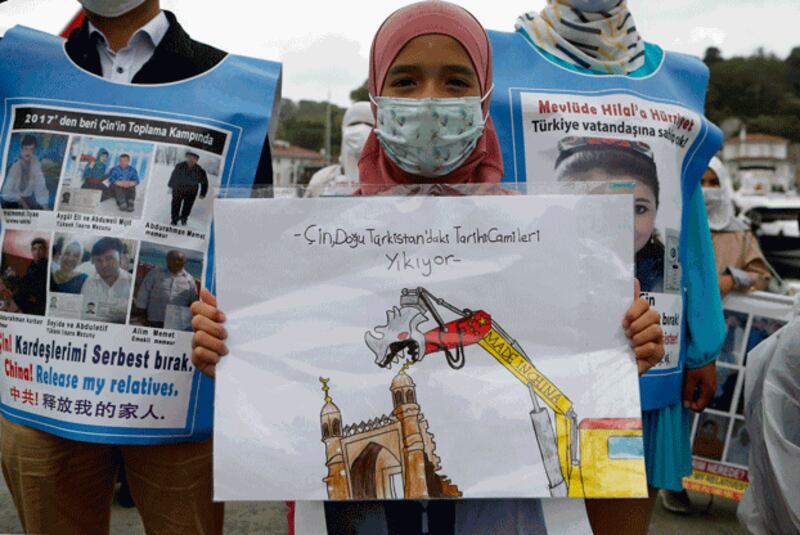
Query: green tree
[302,124]
[360,94]
[762,90]
[787,126]
[793,70]
[747,87]
[713,55]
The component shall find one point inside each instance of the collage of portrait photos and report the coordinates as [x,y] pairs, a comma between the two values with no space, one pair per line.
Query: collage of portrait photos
[161,183]
[99,278]
[719,433]
[106,224]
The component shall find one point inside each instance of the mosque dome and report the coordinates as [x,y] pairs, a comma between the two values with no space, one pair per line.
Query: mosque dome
[402,380]
[329,409]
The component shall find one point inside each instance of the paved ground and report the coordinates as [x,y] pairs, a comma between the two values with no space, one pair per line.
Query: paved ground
[270,519]
[240,518]
[719,520]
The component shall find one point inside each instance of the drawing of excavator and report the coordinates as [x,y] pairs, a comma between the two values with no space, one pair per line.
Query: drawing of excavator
[592,458]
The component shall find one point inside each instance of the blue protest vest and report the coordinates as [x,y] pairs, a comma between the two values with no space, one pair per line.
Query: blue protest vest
[558,124]
[77,119]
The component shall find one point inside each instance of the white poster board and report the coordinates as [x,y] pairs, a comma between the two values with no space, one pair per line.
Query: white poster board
[320,294]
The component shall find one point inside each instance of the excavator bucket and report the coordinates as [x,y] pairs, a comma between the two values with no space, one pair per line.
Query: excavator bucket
[399,338]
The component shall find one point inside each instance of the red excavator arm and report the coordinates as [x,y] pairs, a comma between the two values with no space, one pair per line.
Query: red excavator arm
[463,332]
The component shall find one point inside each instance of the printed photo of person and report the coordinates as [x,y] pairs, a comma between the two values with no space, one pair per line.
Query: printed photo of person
[109,286]
[95,174]
[168,281]
[726,387]
[589,159]
[7,303]
[90,280]
[106,176]
[739,445]
[187,180]
[32,172]
[709,439]
[24,272]
[180,183]
[761,329]
[736,323]
[65,276]
[123,180]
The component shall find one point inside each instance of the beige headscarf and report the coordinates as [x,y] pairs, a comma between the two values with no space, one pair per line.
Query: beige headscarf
[60,276]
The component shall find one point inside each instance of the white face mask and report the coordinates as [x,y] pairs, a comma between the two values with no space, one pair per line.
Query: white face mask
[110,8]
[718,207]
[593,6]
[353,140]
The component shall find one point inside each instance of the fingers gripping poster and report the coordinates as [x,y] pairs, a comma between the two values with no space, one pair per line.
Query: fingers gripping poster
[390,348]
[625,138]
[106,224]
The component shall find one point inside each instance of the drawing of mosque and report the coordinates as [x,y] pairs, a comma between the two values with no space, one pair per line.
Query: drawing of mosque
[388,457]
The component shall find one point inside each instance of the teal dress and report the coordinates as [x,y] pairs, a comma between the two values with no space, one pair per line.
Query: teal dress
[667,431]
[72,286]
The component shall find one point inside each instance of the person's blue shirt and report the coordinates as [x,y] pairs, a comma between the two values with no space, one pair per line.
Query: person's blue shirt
[118,173]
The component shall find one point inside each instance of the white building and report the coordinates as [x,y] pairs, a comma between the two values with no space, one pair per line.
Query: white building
[293,166]
[760,164]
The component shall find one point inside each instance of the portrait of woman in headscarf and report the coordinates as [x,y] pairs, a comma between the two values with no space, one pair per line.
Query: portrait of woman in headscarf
[67,279]
[587,159]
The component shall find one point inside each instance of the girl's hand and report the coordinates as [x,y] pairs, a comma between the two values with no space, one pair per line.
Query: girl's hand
[726,285]
[699,386]
[642,326]
[208,342]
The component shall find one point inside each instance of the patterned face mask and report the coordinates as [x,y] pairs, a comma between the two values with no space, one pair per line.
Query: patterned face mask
[430,137]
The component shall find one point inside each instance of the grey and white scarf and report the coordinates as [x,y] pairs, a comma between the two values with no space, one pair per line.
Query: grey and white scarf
[604,42]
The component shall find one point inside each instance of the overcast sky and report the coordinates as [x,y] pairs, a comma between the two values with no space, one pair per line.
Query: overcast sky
[324,45]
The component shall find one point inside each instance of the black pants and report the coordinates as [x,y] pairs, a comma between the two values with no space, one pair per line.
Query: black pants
[125,196]
[183,198]
[404,517]
[30,201]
